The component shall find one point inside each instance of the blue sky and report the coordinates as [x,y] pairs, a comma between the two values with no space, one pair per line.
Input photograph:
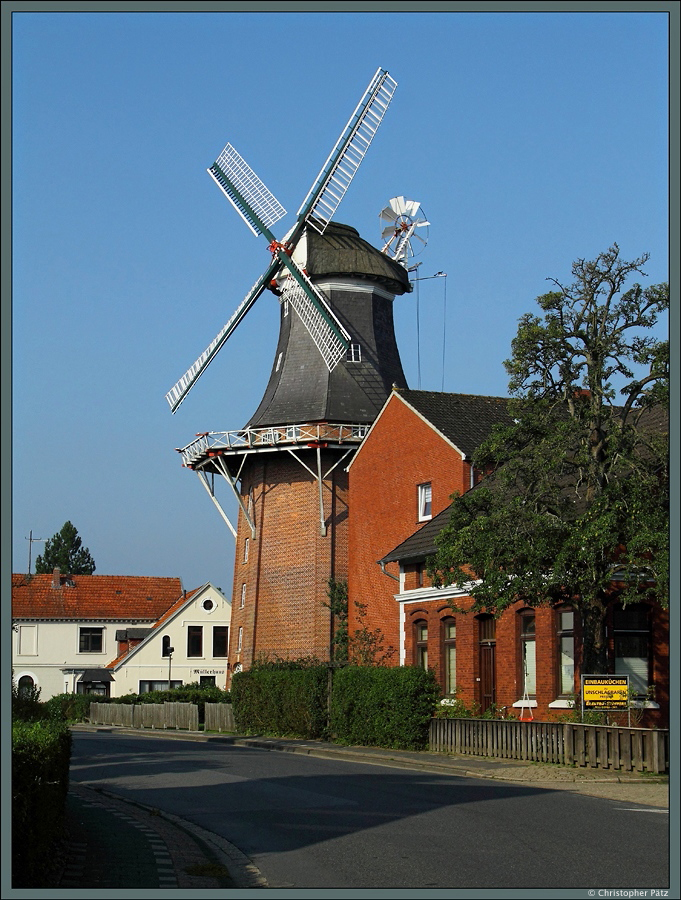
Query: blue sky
[530,139]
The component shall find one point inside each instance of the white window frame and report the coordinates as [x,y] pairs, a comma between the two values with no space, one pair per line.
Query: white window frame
[240,639]
[425,501]
[242,602]
[354,353]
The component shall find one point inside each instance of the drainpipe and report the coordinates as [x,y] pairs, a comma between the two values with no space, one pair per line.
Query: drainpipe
[389,574]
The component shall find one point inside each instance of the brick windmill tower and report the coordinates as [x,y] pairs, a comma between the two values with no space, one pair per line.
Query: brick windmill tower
[335,364]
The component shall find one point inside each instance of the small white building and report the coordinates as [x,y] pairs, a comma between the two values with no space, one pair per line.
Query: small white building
[187,645]
[80,633]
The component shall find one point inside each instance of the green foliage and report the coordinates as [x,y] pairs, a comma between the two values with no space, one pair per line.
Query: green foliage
[338,604]
[579,484]
[366,647]
[26,705]
[282,697]
[456,708]
[70,707]
[383,706]
[41,754]
[65,551]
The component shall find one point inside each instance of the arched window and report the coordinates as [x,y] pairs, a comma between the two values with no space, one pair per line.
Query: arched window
[449,654]
[165,645]
[528,651]
[421,643]
[25,685]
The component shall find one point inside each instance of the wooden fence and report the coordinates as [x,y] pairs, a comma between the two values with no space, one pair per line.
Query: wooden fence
[146,715]
[592,746]
[219,717]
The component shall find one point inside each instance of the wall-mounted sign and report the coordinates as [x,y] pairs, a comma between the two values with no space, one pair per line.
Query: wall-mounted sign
[208,671]
[605,691]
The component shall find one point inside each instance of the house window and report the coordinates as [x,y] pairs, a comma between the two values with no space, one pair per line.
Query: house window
[528,654]
[566,652]
[28,640]
[242,602]
[25,686]
[449,647]
[146,686]
[631,627]
[208,604]
[421,633]
[220,640]
[195,640]
[207,680]
[165,645]
[425,497]
[247,547]
[91,640]
[240,639]
[354,353]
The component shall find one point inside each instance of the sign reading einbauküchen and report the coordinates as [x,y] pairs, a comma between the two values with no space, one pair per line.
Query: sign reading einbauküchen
[605,691]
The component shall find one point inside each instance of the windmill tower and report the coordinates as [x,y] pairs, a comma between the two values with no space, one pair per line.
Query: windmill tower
[335,364]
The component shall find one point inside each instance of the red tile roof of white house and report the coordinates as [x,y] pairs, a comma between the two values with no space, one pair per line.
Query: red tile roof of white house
[124,598]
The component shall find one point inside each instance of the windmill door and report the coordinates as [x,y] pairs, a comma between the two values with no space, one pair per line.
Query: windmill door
[487,664]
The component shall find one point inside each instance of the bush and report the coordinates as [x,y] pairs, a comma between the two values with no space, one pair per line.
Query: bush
[384,707]
[70,707]
[282,697]
[41,755]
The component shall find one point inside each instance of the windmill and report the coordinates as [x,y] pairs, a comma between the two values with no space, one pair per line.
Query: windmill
[260,209]
[400,219]
[335,365]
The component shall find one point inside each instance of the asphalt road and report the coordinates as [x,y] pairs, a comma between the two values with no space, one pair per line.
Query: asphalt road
[309,822]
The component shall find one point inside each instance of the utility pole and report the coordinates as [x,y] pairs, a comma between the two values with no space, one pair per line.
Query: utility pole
[31,540]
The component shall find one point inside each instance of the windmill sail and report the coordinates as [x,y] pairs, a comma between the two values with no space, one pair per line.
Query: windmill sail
[249,196]
[179,391]
[325,195]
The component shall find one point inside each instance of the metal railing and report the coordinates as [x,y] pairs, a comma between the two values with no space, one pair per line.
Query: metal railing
[572,744]
[213,442]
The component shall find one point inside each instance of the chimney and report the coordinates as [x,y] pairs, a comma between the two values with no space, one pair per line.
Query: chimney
[56,577]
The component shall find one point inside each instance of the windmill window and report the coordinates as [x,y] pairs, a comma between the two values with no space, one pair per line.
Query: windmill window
[285,308]
[239,643]
[247,547]
[293,432]
[425,499]
[354,353]
[279,361]
[242,602]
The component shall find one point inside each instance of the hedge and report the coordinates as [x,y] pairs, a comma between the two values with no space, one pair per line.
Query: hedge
[282,698]
[188,693]
[41,754]
[383,706]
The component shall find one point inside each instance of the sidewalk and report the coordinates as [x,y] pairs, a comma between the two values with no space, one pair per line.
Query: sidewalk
[114,843]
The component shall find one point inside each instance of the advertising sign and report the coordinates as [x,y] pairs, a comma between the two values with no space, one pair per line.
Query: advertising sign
[605,691]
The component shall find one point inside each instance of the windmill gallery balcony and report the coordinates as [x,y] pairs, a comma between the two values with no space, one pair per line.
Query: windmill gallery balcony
[262,440]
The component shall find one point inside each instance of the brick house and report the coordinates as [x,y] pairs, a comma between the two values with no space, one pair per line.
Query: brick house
[415,456]
[528,659]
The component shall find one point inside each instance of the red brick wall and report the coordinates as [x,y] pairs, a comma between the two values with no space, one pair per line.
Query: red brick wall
[401,452]
[289,561]
[509,681]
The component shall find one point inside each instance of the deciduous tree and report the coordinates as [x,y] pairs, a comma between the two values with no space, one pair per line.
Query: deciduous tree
[576,502]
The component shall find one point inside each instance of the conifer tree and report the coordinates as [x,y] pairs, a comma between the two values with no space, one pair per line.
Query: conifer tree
[65,550]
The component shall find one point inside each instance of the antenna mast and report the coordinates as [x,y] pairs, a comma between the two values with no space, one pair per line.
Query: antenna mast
[31,540]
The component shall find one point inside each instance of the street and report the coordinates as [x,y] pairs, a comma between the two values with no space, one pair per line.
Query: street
[308,822]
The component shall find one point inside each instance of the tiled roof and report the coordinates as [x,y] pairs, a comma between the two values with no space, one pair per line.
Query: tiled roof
[125,598]
[466,419]
[420,544]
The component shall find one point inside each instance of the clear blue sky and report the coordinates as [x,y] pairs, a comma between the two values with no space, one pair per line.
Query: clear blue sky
[530,139]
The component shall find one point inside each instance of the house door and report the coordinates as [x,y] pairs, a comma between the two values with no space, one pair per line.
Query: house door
[487,666]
